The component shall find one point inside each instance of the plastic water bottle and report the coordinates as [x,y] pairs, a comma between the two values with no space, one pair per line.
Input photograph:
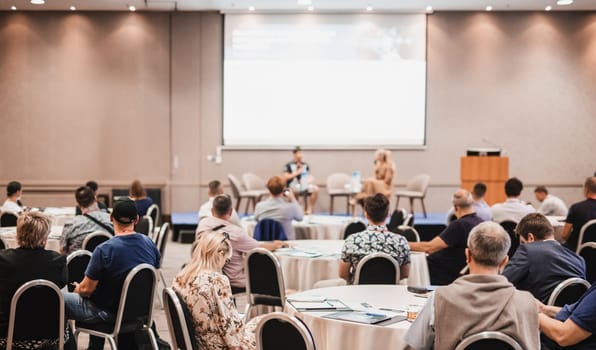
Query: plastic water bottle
[304,180]
[356,181]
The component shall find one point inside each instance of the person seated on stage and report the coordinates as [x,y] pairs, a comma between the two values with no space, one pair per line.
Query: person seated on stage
[549,204]
[29,262]
[215,189]
[513,208]
[541,263]
[281,207]
[375,239]
[242,243]
[96,298]
[447,251]
[206,292]
[570,327]
[293,176]
[92,220]
[381,182]
[579,214]
[139,196]
[94,187]
[13,198]
[480,206]
[478,302]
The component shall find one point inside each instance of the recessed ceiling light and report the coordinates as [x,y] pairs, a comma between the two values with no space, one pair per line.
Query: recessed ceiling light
[131,8]
[548,8]
[369,8]
[489,8]
[429,9]
[304,2]
[13,7]
[38,2]
[311,8]
[251,8]
[72,8]
[564,2]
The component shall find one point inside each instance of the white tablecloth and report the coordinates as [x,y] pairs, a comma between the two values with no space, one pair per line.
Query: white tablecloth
[9,236]
[558,223]
[341,335]
[311,227]
[60,215]
[300,273]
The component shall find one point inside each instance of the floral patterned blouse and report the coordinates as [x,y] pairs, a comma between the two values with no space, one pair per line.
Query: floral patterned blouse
[376,239]
[218,326]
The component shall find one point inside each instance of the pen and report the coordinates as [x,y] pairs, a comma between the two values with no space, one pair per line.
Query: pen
[388,309]
[375,315]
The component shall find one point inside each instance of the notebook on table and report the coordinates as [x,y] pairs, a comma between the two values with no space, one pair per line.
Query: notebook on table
[318,305]
[362,317]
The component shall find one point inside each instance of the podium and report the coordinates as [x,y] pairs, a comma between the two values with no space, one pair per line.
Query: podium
[492,171]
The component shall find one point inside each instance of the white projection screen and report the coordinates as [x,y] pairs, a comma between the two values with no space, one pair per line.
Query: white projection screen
[329,80]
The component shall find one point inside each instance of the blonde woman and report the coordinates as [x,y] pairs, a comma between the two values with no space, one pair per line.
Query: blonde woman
[381,182]
[207,293]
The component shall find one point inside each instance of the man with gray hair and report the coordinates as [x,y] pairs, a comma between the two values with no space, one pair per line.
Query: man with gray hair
[446,251]
[481,301]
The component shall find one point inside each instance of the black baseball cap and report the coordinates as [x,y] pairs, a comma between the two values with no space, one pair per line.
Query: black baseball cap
[125,211]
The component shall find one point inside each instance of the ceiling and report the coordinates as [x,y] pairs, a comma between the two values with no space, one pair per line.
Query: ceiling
[293,6]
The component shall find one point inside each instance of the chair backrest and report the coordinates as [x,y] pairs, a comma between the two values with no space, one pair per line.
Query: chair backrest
[509,226]
[278,330]
[489,341]
[418,183]
[145,225]
[253,182]
[354,227]
[397,219]
[162,239]
[94,239]
[588,252]
[8,219]
[377,268]
[77,262]
[409,233]
[338,181]
[568,292]
[236,185]
[36,312]
[264,281]
[136,299]
[153,213]
[587,233]
[269,230]
[180,322]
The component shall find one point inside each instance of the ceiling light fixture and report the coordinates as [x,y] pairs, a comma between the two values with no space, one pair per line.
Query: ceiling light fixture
[564,2]
[38,2]
[251,8]
[72,8]
[369,8]
[13,7]
[548,8]
[429,9]
[311,8]
[489,8]
[131,8]
[304,2]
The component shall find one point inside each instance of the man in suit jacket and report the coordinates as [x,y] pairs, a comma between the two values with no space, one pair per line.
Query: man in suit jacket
[540,264]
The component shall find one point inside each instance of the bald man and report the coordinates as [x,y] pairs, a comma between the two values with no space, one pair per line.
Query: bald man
[447,250]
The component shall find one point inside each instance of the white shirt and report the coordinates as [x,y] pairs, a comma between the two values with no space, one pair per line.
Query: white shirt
[205,211]
[11,207]
[512,209]
[553,206]
[279,209]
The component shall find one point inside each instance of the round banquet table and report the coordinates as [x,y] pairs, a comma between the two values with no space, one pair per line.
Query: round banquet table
[558,223]
[310,261]
[311,227]
[9,236]
[342,335]
[60,215]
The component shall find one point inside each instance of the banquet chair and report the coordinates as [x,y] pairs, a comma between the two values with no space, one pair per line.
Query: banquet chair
[397,219]
[409,233]
[415,189]
[588,252]
[180,321]
[134,310]
[377,268]
[160,243]
[240,192]
[336,187]
[255,184]
[509,226]
[145,226]
[568,292]
[489,341]
[278,330]
[153,213]
[76,263]
[94,239]
[587,233]
[269,230]
[264,280]
[8,219]
[354,227]
[36,312]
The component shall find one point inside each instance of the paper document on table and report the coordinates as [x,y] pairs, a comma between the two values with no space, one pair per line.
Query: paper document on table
[360,317]
[301,254]
[328,304]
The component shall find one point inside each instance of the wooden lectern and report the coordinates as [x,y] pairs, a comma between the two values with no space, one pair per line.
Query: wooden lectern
[492,171]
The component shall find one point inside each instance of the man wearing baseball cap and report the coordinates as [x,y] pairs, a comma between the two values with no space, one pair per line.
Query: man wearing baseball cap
[96,298]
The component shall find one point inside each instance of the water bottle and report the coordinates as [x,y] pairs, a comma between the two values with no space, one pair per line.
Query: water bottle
[304,180]
[356,181]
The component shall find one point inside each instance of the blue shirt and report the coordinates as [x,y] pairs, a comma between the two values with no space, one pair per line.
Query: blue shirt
[112,261]
[142,206]
[583,313]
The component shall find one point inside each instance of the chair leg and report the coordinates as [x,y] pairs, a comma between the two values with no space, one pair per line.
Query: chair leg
[238,204]
[248,199]
[423,208]
[152,337]
[331,205]
[397,202]
[412,205]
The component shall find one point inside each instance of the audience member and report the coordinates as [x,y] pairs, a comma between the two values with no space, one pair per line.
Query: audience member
[29,262]
[541,263]
[215,189]
[381,182]
[96,298]
[92,220]
[447,250]
[579,214]
[572,326]
[241,242]
[549,204]
[375,239]
[281,207]
[480,206]
[293,175]
[208,296]
[94,187]
[513,208]
[480,301]
[13,198]
[139,196]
